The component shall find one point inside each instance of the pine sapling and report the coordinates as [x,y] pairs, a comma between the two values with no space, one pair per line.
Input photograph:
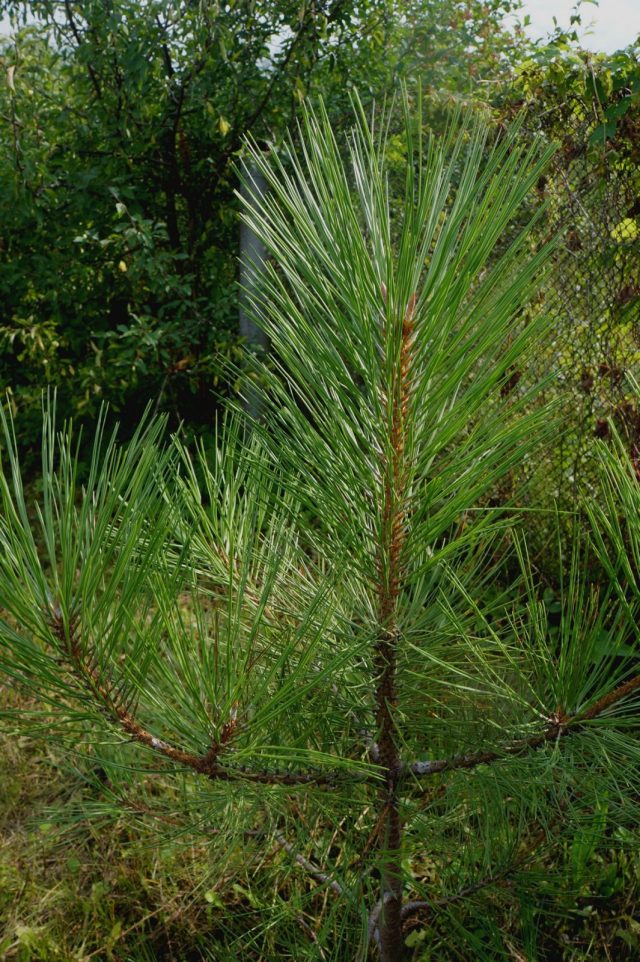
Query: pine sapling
[305,621]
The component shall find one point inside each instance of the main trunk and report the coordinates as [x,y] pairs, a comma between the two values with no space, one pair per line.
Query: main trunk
[391,565]
[391,940]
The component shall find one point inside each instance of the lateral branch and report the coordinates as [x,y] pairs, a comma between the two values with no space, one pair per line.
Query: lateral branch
[559,726]
[323,878]
[207,763]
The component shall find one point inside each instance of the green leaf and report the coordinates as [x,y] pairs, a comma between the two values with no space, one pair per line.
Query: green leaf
[603,132]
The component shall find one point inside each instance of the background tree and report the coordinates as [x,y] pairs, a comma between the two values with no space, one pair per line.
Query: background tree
[123,122]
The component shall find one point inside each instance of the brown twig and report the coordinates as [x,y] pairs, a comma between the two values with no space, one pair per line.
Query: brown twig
[316,873]
[207,763]
[559,726]
[93,76]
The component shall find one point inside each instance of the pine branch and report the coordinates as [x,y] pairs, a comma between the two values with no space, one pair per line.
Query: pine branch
[559,726]
[612,698]
[207,763]
[316,873]
[415,906]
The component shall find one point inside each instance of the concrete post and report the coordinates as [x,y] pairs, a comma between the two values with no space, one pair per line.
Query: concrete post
[253,256]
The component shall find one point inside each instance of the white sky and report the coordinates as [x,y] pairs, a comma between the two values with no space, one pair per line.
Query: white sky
[610,25]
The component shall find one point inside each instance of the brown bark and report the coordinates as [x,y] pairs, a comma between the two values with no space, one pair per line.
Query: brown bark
[558,727]
[208,763]
[389,585]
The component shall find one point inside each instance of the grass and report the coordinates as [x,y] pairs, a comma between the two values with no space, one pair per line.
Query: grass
[111,892]
[130,889]
[94,891]
[119,890]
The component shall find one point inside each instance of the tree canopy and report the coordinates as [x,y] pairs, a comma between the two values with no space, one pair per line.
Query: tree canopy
[124,123]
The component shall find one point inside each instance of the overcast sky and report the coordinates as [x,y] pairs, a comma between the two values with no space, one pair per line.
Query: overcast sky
[610,25]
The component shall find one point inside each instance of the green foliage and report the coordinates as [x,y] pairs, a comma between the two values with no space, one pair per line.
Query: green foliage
[590,105]
[304,625]
[123,123]
[102,889]
[113,886]
[118,213]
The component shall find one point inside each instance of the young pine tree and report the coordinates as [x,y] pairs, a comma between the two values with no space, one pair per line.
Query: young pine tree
[305,624]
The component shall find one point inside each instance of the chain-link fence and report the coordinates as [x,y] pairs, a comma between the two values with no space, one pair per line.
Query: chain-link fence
[593,295]
[596,294]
